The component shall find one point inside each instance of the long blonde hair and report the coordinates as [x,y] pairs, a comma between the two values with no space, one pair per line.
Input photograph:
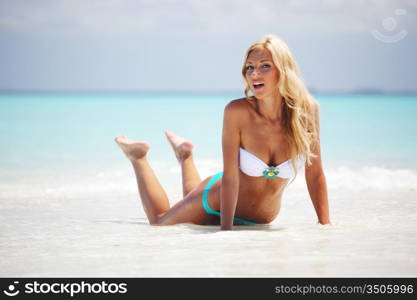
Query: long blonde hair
[298,113]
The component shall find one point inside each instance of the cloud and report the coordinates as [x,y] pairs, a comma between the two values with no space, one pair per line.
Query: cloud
[191,17]
[127,44]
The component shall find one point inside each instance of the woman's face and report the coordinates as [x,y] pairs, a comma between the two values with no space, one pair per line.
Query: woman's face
[261,73]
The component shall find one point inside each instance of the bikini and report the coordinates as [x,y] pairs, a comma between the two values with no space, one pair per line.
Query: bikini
[251,165]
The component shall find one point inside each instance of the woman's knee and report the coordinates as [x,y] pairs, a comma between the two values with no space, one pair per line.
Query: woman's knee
[159,220]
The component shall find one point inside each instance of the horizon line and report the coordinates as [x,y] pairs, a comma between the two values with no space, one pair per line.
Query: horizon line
[134,91]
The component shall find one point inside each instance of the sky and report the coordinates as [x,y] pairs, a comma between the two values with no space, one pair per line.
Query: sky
[198,46]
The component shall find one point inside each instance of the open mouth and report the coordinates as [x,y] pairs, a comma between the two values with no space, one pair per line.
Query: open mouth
[257,86]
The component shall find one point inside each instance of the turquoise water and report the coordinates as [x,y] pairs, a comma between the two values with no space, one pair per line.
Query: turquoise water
[369,130]
[39,129]
[69,199]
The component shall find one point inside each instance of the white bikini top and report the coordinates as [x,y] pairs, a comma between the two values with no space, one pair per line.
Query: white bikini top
[253,166]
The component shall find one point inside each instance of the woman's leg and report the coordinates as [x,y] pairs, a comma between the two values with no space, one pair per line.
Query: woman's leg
[190,209]
[154,199]
[183,152]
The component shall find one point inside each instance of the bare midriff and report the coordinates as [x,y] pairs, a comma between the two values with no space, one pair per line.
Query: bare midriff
[259,198]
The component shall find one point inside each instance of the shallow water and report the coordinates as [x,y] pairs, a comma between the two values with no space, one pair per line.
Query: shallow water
[69,204]
[99,229]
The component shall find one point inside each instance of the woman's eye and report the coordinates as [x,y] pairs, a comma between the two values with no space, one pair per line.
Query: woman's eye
[249,68]
[266,66]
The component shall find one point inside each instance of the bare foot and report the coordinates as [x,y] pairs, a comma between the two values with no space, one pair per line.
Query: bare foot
[181,147]
[132,149]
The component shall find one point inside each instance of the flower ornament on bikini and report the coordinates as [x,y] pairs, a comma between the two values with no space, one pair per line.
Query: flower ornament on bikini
[270,172]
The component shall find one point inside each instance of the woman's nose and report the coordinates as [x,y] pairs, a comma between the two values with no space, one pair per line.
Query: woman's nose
[255,73]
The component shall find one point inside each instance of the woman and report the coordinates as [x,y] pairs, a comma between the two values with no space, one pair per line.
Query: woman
[265,138]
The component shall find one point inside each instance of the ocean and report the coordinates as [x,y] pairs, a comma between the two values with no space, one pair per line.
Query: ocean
[69,203]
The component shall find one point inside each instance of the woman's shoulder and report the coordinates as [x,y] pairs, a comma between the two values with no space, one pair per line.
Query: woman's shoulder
[238,105]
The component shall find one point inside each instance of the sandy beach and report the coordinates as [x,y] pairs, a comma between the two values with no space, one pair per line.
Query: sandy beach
[61,233]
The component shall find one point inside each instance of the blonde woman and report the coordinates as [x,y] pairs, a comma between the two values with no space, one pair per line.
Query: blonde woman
[266,137]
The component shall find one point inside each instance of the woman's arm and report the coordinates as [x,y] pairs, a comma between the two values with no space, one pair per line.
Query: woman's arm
[230,180]
[316,180]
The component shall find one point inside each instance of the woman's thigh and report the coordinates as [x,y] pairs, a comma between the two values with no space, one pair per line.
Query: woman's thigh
[188,210]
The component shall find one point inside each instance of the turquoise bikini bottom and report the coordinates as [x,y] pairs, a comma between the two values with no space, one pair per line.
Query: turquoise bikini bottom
[211,211]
